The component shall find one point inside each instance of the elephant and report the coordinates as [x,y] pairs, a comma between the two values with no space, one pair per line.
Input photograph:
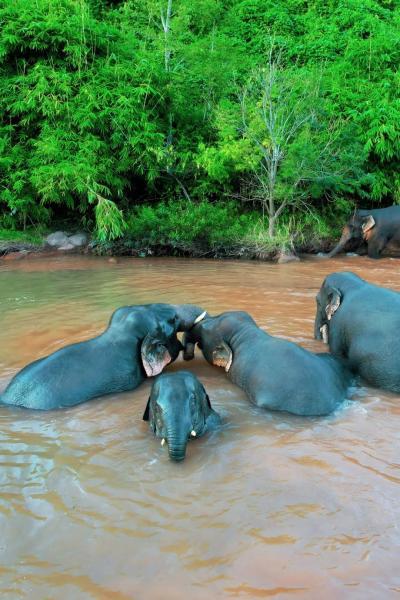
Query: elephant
[139,340]
[361,323]
[179,408]
[379,228]
[275,374]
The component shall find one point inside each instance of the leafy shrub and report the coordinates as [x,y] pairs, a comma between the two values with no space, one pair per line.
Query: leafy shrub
[185,224]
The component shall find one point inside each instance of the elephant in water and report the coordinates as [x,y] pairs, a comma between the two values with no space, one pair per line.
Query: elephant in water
[178,409]
[378,227]
[274,373]
[139,341]
[361,323]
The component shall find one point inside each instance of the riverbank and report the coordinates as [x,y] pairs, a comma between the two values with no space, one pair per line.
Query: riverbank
[23,248]
[200,230]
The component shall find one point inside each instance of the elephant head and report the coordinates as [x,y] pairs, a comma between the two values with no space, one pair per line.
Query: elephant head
[328,301]
[156,326]
[214,337]
[179,409]
[358,228]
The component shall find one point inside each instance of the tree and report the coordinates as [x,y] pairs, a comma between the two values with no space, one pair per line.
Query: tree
[281,117]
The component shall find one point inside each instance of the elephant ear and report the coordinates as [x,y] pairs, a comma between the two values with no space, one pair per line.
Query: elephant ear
[206,397]
[368,223]
[155,355]
[146,414]
[334,300]
[222,356]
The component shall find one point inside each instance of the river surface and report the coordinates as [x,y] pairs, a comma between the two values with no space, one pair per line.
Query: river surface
[269,506]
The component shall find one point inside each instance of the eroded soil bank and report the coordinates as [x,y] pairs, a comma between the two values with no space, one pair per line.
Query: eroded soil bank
[18,250]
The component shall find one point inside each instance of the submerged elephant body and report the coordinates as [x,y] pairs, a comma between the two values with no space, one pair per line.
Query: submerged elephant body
[361,323]
[275,374]
[379,228]
[178,409]
[139,341]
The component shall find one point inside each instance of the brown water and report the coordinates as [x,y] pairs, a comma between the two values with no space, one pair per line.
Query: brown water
[270,506]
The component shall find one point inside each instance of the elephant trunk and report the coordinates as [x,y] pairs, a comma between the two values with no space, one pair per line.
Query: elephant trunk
[189,342]
[177,446]
[187,315]
[341,244]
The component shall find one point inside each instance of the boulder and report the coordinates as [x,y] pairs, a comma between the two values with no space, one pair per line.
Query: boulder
[78,239]
[66,246]
[57,239]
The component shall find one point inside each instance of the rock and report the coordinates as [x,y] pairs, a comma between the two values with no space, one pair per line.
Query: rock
[352,254]
[66,246]
[286,257]
[78,239]
[62,241]
[57,239]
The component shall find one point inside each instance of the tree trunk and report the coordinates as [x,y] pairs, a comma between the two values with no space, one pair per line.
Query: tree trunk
[166,25]
[271,226]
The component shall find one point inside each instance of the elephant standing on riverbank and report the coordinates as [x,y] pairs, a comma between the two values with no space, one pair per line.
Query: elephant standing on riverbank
[139,341]
[275,374]
[178,409]
[361,323]
[379,228]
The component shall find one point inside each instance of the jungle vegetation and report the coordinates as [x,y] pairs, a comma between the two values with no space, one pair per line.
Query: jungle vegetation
[186,120]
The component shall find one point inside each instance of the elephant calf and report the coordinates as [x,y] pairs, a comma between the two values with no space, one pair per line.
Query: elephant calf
[274,373]
[179,408]
[139,341]
[361,324]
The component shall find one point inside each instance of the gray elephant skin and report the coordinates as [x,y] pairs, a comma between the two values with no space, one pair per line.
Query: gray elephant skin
[275,374]
[179,409]
[139,341]
[379,228]
[361,323]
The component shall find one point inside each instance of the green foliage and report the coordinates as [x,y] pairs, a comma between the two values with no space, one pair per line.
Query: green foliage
[180,224]
[30,236]
[109,220]
[219,229]
[105,106]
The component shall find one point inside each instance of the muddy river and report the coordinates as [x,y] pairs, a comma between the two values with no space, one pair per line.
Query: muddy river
[269,506]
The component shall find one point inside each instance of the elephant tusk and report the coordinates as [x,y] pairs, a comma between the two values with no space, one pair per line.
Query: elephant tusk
[324,333]
[193,433]
[200,317]
[163,442]
[328,313]
[228,364]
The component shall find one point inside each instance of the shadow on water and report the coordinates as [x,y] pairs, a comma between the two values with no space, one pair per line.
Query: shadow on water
[269,506]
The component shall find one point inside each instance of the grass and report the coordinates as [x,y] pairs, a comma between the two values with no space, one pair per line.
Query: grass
[30,236]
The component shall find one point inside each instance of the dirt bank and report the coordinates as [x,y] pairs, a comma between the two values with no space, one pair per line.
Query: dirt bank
[10,250]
